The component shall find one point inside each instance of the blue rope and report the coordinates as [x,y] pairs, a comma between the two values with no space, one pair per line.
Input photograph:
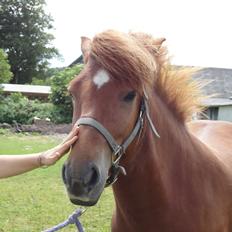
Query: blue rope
[72,219]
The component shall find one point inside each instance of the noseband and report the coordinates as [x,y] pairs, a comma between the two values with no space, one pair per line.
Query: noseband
[117,149]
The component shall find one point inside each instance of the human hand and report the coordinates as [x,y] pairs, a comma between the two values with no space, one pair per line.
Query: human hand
[50,157]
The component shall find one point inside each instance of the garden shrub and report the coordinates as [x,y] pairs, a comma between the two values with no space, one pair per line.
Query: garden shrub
[16,107]
[60,97]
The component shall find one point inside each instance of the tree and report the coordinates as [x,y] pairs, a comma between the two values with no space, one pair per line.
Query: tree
[45,79]
[5,73]
[24,36]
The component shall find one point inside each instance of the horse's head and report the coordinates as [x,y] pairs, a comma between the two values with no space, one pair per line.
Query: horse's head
[107,101]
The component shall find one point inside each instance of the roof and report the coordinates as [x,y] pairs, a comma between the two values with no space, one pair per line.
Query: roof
[79,60]
[220,81]
[36,90]
[215,102]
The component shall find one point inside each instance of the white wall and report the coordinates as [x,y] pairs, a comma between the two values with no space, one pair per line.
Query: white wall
[225,113]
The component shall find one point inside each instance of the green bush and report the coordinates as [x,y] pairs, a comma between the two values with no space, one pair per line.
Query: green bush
[22,110]
[60,97]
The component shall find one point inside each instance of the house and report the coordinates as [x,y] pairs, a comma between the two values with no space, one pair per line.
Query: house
[219,105]
[31,91]
[219,109]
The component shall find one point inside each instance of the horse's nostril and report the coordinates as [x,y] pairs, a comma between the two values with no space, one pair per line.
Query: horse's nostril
[63,174]
[91,178]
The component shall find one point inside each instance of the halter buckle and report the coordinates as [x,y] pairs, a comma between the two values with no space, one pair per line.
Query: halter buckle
[118,154]
[115,171]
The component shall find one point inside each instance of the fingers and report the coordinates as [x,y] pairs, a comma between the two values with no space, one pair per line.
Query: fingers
[56,153]
[65,146]
[68,143]
[51,156]
[73,132]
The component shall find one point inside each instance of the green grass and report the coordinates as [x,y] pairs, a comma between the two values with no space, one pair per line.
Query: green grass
[37,200]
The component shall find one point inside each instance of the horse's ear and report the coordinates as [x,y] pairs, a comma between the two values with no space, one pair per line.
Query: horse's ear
[158,42]
[85,47]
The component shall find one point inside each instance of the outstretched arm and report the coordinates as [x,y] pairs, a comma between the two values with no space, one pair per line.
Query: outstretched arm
[11,165]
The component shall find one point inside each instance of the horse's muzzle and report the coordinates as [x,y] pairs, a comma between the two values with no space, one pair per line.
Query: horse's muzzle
[84,187]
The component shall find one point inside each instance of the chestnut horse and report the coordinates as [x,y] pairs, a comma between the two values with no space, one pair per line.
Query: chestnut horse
[133,109]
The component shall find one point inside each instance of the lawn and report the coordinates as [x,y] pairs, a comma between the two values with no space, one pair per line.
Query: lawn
[37,200]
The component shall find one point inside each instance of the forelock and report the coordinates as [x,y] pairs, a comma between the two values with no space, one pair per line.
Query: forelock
[124,57]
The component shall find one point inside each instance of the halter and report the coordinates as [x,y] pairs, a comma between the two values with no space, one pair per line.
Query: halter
[117,149]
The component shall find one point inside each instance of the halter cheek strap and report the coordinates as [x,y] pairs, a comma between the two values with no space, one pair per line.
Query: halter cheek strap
[97,125]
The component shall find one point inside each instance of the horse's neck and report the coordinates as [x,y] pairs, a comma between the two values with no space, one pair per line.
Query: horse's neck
[148,166]
[159,167]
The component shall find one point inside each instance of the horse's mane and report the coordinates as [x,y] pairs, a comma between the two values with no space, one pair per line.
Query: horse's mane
[142,60]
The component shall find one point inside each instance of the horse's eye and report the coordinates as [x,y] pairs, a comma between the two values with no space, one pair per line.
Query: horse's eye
[130,96]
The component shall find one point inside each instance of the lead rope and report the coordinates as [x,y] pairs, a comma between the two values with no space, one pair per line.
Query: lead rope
[72,219]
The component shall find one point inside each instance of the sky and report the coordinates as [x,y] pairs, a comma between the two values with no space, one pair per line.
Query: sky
[197,32]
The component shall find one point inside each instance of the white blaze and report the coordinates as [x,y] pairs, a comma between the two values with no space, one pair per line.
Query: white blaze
[101,78]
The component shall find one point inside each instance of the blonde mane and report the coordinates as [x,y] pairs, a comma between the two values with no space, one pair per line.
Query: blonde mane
[142,60]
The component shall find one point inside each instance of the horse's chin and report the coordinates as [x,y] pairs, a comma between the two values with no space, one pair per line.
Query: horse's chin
[85,199]
[84,203]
